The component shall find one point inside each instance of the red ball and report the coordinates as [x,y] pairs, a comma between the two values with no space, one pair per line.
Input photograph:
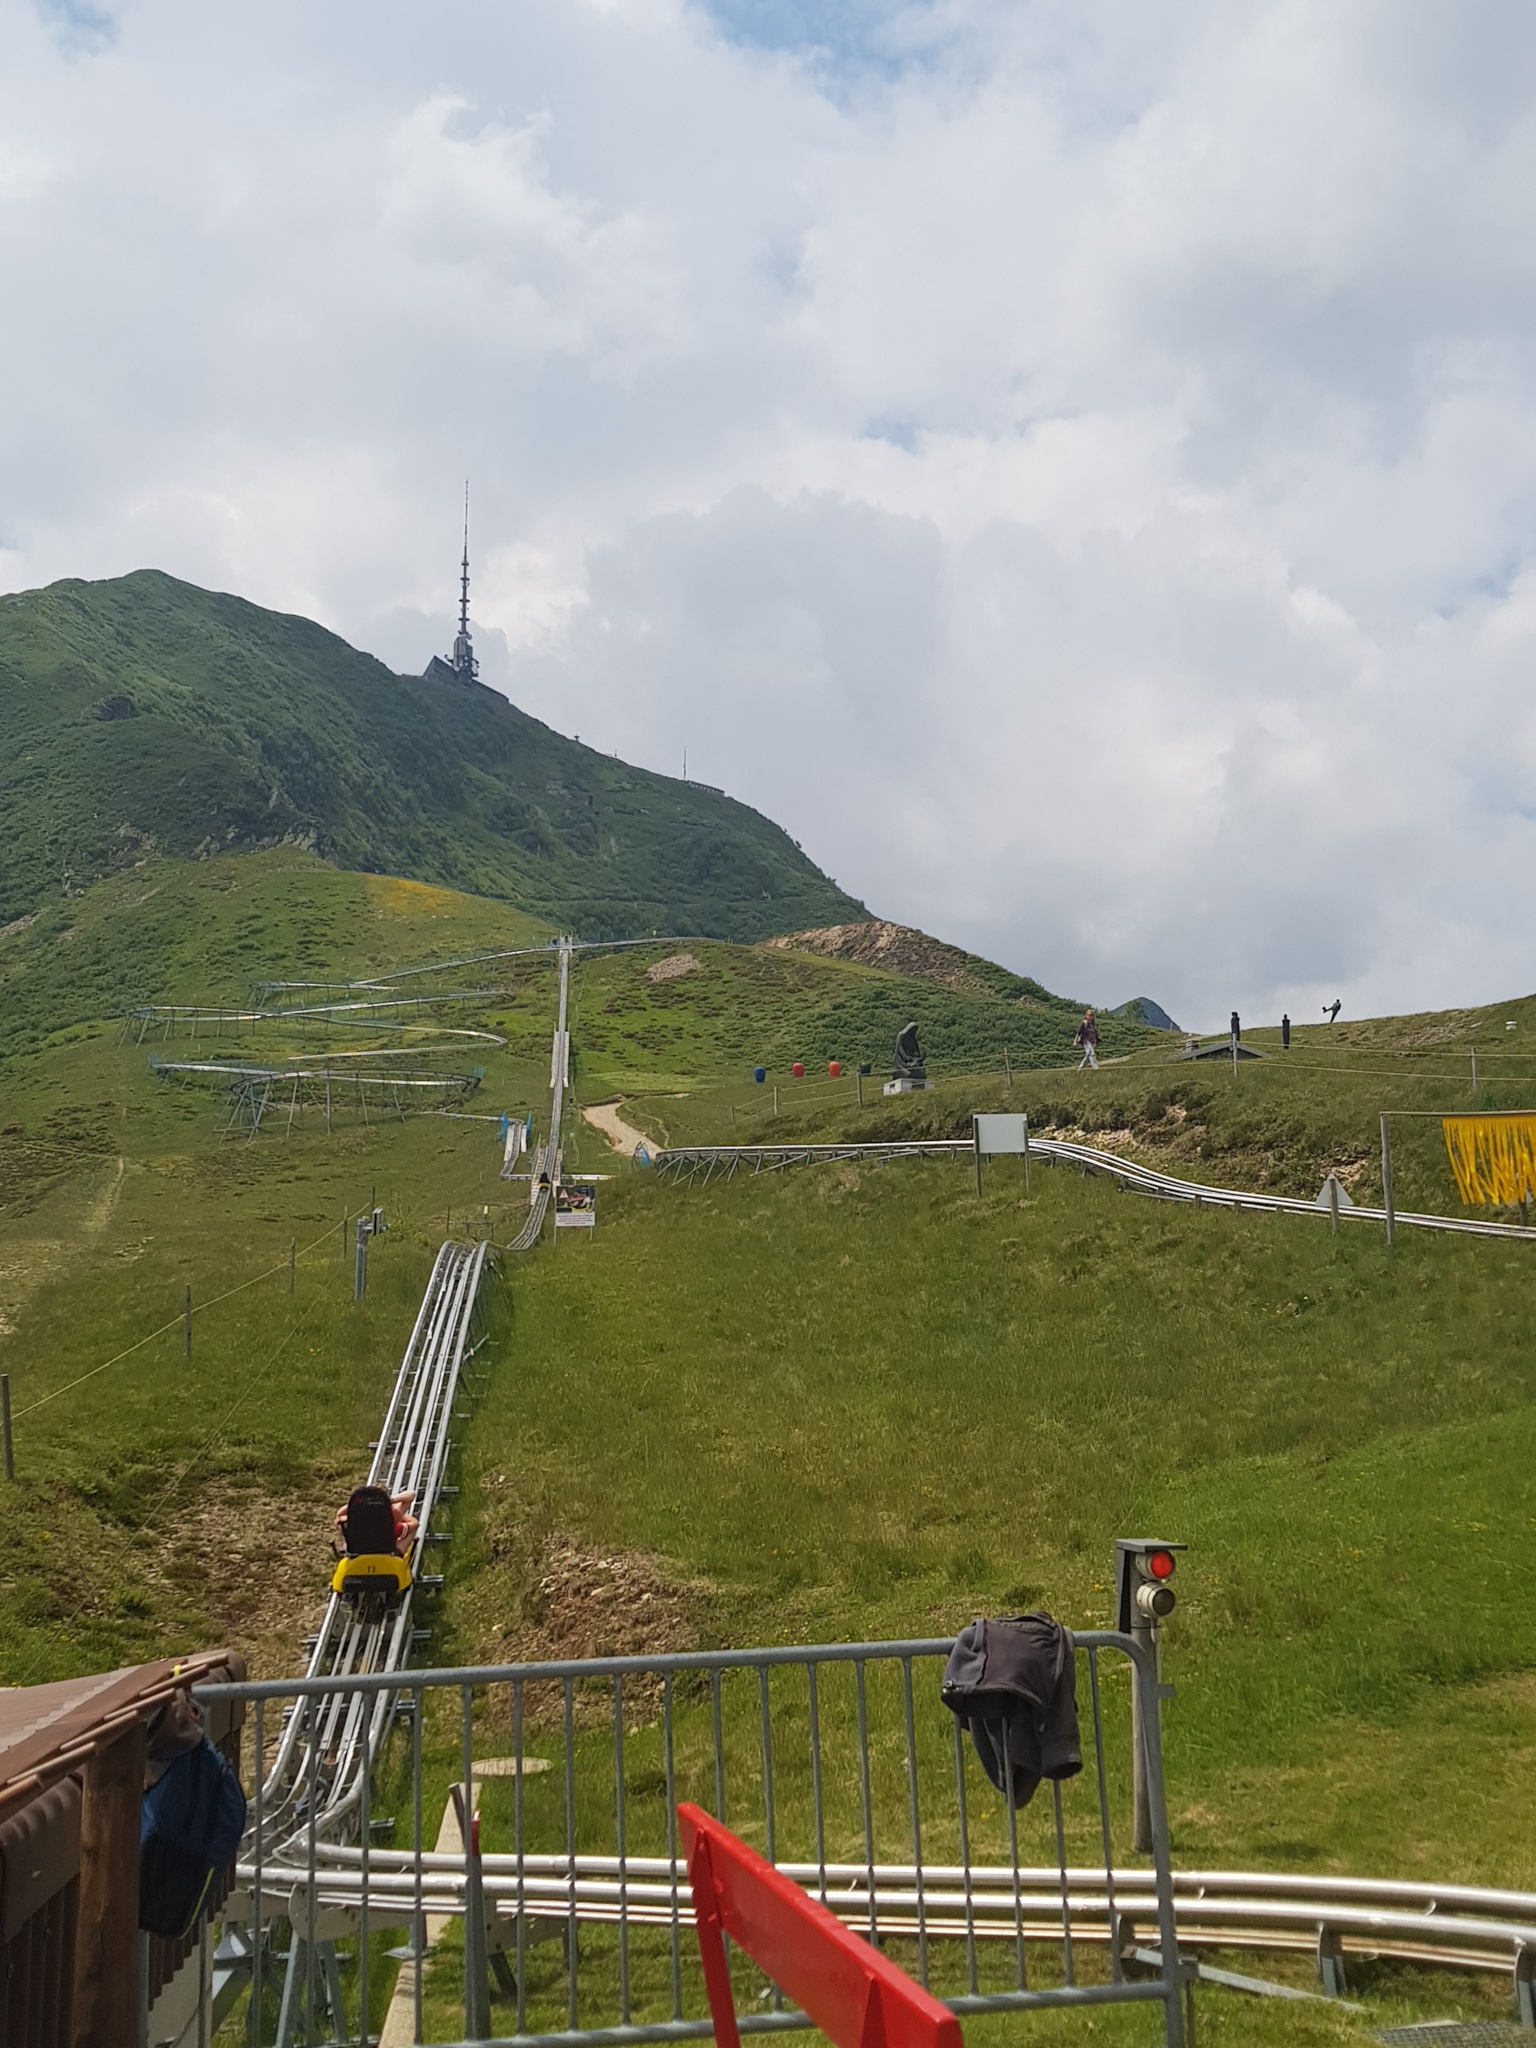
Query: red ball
[798,1070]
[834,1068]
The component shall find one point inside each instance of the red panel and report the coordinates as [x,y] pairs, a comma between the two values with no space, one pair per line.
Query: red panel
[857,1997]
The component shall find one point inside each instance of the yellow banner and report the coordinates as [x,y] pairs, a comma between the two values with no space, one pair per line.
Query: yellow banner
[1492,1157]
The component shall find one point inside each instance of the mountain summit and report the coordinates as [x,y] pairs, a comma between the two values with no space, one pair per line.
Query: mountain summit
[146,714]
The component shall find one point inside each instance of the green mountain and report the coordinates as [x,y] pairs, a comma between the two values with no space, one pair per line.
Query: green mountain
[1142,1010]
[145,715]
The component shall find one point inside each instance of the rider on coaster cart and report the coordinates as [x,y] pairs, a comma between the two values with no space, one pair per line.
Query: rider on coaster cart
[375,1523]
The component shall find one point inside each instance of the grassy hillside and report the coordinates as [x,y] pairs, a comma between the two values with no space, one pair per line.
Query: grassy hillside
[735,1008]
[146,714]
[117,1191]
[847,1402]
[205,931]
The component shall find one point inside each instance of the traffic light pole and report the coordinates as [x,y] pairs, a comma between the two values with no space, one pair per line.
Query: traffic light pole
[1143,1598]
[1143,1632]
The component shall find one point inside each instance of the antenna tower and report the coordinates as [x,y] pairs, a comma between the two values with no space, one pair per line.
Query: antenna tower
[464,662]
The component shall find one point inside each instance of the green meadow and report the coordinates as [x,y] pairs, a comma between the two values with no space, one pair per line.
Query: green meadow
[841,1403]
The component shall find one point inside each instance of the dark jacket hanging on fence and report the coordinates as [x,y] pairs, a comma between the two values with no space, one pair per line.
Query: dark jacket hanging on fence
[1013,1683]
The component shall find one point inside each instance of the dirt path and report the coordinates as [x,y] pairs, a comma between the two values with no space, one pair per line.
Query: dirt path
[623,1137]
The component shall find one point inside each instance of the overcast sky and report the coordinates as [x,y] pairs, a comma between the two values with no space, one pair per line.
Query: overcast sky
[1073,464]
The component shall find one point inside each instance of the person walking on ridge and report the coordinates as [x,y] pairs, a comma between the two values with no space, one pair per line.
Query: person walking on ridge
[1088,1038]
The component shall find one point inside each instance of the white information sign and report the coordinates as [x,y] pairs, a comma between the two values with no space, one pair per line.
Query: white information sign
[575,1205]
[1005,1133]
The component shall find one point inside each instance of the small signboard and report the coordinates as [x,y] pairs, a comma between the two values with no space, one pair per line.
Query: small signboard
[1006,1133]
[575,1205]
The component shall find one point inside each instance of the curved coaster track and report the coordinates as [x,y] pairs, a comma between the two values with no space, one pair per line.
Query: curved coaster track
[703,1163]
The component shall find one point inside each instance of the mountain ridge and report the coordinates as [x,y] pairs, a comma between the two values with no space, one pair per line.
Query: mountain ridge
[144,714]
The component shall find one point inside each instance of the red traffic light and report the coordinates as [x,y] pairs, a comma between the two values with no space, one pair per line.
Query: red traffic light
[1159,1564]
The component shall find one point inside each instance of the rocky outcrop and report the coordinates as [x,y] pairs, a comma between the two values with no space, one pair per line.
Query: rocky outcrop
[882,944]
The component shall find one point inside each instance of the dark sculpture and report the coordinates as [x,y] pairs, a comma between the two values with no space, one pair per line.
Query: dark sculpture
[907,1064]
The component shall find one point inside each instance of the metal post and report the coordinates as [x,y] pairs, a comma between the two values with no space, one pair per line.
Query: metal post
[858,1082]
[1007,1068]
[1143,1631]
[1149,1761]
[976,1130]
[5,1425]
[775,1098]
[477,1988]
[1026,1151]
[1474,1073]
[1333,1202]
[293,1253]
[360,1268]
[186,1321]
[1234,1055]
[1386,1181]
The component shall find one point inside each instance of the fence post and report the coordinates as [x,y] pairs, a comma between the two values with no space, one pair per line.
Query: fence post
[1333,1202]
[293,1253]
[1026,1151]
[1474,1073]
[5,1424]
[477,1987]
[186,1320]
[1146,1689]
[360,1267]
[1386,1181]
[1007,1068]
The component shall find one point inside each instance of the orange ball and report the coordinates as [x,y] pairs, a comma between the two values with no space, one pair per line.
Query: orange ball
[798,1070]
[834,1068]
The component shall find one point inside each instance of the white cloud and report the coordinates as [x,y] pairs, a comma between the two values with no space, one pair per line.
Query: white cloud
[1077,472]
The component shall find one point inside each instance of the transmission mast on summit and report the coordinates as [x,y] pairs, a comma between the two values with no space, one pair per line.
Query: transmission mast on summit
[464,663]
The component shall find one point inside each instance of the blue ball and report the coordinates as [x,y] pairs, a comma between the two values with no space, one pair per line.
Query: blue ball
[759,1074]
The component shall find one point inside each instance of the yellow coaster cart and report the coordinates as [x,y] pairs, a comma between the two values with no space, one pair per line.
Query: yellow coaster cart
[372,1577]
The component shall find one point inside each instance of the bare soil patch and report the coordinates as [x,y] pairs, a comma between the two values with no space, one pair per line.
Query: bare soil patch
[257,1562]
[623,1137]
[670,968]
[546,1595]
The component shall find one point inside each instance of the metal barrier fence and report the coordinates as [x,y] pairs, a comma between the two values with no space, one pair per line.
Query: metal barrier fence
[568,1921]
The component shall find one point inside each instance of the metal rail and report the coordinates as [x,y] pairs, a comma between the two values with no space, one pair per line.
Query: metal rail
[1454,1926]
[194,1013]
[544,1174]
[322,1756]
[528,1236]
[688,1162]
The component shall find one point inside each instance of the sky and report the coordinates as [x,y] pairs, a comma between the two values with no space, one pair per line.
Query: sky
[1072,464]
